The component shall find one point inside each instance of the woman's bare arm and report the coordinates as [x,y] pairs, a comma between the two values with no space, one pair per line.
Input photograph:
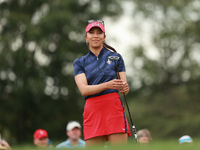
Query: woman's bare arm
[86,89]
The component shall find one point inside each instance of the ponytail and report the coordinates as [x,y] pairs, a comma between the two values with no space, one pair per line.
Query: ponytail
[108,47]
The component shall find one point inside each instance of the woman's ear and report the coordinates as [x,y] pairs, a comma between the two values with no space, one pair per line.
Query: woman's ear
[86,39]
[104,37]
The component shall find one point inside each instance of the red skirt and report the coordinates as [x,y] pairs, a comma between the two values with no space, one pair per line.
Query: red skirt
[104,115]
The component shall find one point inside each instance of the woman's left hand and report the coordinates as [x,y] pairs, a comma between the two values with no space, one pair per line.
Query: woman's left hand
[125,88]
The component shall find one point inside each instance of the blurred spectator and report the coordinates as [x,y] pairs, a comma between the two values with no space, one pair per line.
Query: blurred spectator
[4,145]
[185,139]
[144,136]
[41,138]
[73,131]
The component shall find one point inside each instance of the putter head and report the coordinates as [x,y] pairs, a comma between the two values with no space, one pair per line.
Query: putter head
[113,57]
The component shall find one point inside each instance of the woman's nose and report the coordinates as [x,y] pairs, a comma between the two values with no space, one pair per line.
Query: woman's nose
[95,35]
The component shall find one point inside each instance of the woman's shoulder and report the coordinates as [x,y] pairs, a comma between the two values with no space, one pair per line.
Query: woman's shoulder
[110,53]
[81,59]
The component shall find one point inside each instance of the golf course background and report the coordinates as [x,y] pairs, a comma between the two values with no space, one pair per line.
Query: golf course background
[39,40]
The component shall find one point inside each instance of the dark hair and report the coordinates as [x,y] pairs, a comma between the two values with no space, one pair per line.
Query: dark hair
[108,47]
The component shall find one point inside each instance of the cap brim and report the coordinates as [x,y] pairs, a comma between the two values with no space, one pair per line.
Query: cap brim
[94,24]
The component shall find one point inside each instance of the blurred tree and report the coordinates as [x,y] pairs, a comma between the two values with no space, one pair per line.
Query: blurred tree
[39,42]
[166,99]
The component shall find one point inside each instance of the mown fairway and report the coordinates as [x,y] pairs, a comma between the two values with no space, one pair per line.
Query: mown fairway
[155,145]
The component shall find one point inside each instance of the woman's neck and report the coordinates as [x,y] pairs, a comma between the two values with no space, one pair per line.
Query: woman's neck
[96,50]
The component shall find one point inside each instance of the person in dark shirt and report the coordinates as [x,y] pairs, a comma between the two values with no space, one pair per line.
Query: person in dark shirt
[96,77]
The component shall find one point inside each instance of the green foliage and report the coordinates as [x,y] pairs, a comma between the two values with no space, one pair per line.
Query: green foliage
[166,99]
[39,42]
[167,113]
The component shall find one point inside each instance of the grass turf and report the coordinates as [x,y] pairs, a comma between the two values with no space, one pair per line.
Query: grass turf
[132,145]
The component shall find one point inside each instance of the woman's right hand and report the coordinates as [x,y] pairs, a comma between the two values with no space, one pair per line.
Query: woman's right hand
[115,84]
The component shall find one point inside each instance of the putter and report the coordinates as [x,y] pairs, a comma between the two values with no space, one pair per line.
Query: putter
[133,126]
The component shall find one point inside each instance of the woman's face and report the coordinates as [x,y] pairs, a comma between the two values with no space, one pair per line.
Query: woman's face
[95,37]
[143,138]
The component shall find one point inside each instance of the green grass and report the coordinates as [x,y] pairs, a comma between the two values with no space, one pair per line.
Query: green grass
[154,145]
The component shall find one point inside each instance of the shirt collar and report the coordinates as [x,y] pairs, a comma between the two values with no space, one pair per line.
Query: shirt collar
[69,143]
[100,54]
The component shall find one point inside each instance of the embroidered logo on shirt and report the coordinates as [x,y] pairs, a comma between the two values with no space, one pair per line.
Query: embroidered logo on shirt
[108,61]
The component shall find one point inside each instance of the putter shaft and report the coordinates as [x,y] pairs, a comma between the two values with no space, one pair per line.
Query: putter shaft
[132,125]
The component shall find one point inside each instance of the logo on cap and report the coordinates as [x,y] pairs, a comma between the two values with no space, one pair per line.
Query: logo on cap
[95,24]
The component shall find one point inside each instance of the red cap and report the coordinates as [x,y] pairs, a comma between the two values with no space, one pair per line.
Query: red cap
[94,24]
[40,133]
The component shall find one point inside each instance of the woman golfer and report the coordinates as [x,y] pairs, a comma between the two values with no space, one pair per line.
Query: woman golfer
[96,77]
